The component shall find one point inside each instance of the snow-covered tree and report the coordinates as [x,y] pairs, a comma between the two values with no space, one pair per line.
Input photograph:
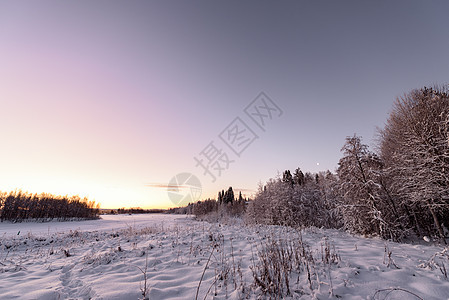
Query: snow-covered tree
[415,149]
[287,177]
[361,206]
[298,177]
[280,202]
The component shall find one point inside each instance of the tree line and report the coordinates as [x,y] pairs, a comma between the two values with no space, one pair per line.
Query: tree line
[227,205]
[18,206]
[135,210]
[399,190]
[296,200]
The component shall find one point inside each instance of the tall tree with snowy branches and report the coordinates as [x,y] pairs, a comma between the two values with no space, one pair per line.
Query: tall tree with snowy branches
[359,206]
[415,149]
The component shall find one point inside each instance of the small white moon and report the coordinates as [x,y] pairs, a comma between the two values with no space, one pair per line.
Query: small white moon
[317,164]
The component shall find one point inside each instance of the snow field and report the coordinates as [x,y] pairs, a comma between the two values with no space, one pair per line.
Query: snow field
[185,259]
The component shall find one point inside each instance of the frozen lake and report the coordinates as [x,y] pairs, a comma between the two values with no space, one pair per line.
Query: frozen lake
[107,222]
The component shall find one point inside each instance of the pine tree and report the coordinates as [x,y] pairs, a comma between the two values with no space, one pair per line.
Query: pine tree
[298,177]
[229,196]
[287,177]
[220,198]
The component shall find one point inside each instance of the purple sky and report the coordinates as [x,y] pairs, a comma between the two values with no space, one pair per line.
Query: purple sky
[110,99]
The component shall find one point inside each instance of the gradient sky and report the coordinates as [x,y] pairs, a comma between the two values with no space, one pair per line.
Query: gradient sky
[109,99]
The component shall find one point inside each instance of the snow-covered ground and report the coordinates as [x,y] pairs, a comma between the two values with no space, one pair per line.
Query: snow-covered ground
[110,259]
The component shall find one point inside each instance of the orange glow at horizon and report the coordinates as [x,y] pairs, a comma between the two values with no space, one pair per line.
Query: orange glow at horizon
[108,196]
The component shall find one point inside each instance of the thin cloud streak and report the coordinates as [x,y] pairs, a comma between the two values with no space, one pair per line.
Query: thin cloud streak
[166,186]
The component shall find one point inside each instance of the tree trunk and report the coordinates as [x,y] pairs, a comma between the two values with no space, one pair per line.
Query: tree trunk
[437,223]
[413,220]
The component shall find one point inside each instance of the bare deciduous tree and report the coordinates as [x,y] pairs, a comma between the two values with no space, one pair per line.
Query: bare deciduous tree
[415,149]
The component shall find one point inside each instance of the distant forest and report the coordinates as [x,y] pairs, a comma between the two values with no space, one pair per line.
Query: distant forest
[134,210]
[399,191]
[18,206]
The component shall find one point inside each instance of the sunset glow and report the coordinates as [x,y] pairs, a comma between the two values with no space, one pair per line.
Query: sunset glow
[109,101]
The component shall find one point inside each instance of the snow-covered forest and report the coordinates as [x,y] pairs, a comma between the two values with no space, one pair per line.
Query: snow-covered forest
[18,206]
[399,191]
